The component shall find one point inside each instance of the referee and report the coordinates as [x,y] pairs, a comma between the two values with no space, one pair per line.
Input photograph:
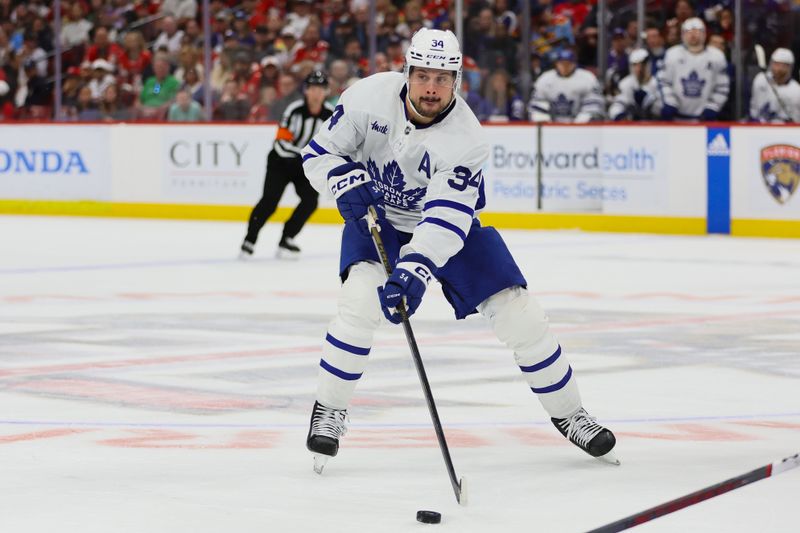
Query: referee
[299,123]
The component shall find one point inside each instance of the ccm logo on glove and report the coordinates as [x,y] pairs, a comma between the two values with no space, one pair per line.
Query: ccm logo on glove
[409,280]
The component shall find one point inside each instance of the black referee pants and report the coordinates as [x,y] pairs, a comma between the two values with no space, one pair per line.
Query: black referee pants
[280,172]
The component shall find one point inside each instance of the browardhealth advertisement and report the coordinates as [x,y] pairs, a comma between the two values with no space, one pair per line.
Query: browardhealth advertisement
[622,170]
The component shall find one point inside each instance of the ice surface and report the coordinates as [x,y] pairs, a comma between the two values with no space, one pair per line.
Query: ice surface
[150,382]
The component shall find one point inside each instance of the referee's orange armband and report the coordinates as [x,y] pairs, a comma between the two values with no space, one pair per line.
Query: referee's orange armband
[284,135]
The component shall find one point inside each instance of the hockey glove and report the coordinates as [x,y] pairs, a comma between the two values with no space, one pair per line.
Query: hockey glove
[354,192]
[408,281]
[668,112]
[709,114]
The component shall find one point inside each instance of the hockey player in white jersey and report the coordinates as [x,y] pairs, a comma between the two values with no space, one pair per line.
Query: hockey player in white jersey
[694,82]
[638,97]
[776,96]
[566,93]
[408,145]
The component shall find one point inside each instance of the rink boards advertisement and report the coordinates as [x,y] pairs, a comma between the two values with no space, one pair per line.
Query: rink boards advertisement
[624,170]
[765,173]
[64,162]
[665,178]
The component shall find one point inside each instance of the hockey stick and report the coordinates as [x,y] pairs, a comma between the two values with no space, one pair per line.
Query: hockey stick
[459,486]
[766,471]
[761,59]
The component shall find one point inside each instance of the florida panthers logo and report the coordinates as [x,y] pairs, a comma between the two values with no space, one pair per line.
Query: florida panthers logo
[392,183]
[780,168]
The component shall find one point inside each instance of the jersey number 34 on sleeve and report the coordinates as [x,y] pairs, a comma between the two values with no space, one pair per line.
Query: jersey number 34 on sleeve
[464,178]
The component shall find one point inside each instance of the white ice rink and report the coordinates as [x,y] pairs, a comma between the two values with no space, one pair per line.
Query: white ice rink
[150,383]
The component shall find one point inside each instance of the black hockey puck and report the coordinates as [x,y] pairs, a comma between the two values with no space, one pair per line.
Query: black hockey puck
[429,517]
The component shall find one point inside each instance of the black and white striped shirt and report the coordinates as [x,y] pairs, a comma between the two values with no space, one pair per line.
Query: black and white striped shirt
[297,127]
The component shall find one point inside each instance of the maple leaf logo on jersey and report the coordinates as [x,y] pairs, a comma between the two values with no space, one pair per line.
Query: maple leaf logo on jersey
[780,168]
[692,85]
[561,106]
[392,183]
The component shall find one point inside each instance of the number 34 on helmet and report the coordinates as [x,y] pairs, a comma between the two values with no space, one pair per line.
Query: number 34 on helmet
[435,49]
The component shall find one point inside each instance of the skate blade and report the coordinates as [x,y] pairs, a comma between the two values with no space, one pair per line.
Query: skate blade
[244,256]
[609,458]
[319,462]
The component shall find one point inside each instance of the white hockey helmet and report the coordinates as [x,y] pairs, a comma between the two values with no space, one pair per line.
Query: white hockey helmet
[437,49]
[693,23]
[639,55]
[782,55]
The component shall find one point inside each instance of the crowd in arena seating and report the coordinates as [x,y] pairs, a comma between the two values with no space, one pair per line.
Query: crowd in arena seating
[144,59]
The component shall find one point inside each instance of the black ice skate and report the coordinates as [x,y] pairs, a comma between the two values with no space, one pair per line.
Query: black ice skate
[247,250]
[584,432]
[327,425]
[287,249]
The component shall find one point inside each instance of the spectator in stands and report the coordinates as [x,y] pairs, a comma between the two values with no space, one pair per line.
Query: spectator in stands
[31,51]
[170,37]
[470,92]
[158,90]
[111,106]
[260,111]
[242,30]
[69,93]
[311,47]
[103,48]
[182,10]
[395,53]
[188,59]
[234,104]
[193,84]
[192,35]
[478,31]
[574,10]
[551,34]
[270,71]
[37,91]
[134,60]
[264,44]
[638,97]
[503,102]
[354,55]
[86,108]
[288,92]
[337,80]
[243,73]
[587,50]
[683,11]
[75,28]
[286,46]
[102,77]
[299,16]
[184,109]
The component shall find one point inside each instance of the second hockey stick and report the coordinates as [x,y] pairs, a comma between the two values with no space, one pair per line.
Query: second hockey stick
[677,504]
[459,487]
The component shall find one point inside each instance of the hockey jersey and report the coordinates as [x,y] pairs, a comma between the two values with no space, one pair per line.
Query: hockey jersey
[765,106]
[430,175]
[694,82]
[635,100]
[574,98]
